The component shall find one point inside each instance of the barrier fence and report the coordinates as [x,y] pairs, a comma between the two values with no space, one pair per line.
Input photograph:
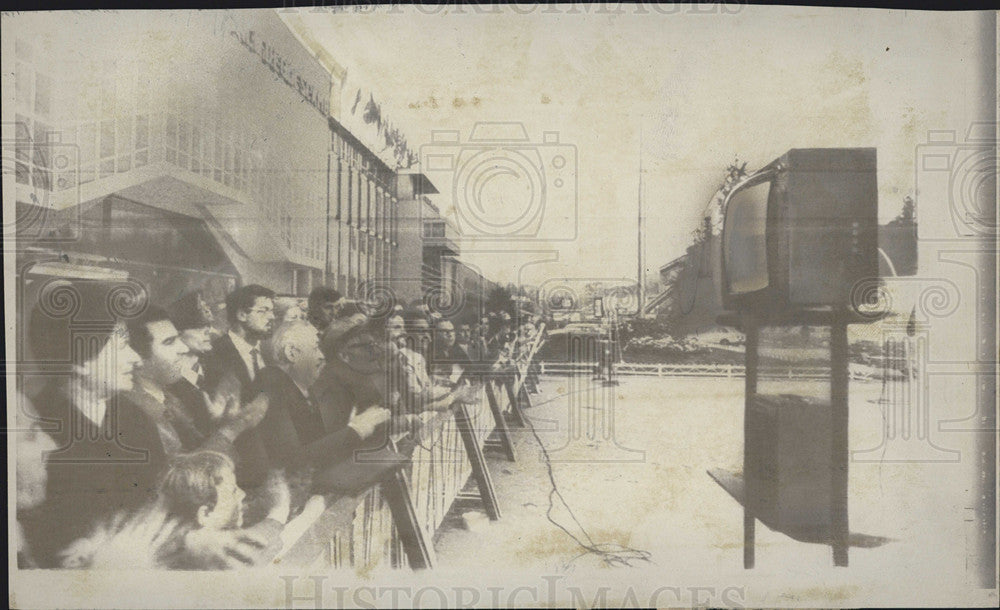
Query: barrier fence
[691,370]
[365,531]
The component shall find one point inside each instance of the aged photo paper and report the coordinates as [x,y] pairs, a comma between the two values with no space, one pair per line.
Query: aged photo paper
[500,305]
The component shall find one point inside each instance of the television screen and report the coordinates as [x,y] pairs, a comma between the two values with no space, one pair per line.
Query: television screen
[744,245]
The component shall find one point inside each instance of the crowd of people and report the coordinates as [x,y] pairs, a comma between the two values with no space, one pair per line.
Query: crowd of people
[173,444]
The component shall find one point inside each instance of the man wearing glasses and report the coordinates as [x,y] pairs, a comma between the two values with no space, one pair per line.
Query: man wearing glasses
[233,364]
[238,353]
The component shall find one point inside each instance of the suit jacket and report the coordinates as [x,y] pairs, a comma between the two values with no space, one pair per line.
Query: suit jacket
[293,432]
[223,362]
[339,390]
[193,402]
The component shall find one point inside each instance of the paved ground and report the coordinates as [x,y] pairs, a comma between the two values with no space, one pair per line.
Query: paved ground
[632,467]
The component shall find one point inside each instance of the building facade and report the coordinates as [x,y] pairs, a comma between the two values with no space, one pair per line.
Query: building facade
[362,223]
[203,151]
[196,157]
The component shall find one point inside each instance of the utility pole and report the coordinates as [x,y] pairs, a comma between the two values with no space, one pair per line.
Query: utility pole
[641,293]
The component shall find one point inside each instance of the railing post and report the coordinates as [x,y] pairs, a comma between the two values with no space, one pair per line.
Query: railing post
[503,432]
[480,470]
[418,549]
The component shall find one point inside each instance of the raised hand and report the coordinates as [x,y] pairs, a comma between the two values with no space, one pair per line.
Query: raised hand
[226,393]
[279,496]
[240,417]
[364,423]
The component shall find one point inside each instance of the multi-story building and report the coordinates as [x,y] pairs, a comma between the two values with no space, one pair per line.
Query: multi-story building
[205,156]
[198,157]
[363,221]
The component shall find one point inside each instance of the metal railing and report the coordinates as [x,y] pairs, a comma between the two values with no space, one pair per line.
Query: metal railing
[359,531]
[690,370]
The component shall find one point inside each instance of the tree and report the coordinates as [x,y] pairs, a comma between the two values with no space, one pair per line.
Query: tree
[908,215]
[499,299]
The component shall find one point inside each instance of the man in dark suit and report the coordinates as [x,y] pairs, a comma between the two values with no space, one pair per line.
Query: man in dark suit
[167,428]
[293,431]
[237,354]
[193,320]
[234,362]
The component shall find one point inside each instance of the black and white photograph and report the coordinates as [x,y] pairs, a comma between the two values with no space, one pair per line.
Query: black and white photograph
[500,305]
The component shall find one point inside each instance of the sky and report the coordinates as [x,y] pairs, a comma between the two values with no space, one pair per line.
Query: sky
[691,91]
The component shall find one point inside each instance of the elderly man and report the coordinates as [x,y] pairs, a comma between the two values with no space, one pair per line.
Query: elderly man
[293,432]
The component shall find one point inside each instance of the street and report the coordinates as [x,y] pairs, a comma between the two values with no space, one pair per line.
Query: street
[665,503]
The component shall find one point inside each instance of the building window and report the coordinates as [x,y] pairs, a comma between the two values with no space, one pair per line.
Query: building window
[434,229]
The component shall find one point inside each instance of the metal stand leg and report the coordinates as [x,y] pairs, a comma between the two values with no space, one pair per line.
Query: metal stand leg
[416,546]
[503,432]
[750,391]
[479,469]
[839,442]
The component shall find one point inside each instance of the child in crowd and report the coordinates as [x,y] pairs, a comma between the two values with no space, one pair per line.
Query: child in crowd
[197,523]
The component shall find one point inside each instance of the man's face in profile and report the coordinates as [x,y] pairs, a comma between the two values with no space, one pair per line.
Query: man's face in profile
[166,354]
[328,311]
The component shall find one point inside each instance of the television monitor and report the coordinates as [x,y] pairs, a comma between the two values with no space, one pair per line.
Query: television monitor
[802,232]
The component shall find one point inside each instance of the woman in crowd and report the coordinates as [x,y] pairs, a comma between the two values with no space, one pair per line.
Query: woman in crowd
[90,472]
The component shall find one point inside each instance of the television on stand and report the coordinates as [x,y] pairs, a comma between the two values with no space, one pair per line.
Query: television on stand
[802,233]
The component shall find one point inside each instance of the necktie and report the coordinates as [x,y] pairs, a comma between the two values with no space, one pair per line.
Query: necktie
[255,358]
[199,374]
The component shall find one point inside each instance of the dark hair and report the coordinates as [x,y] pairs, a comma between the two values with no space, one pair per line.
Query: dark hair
[95,306]
[190,311]
[320,295]
[244,298]
[412,316]
[190,482]
[138,330]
